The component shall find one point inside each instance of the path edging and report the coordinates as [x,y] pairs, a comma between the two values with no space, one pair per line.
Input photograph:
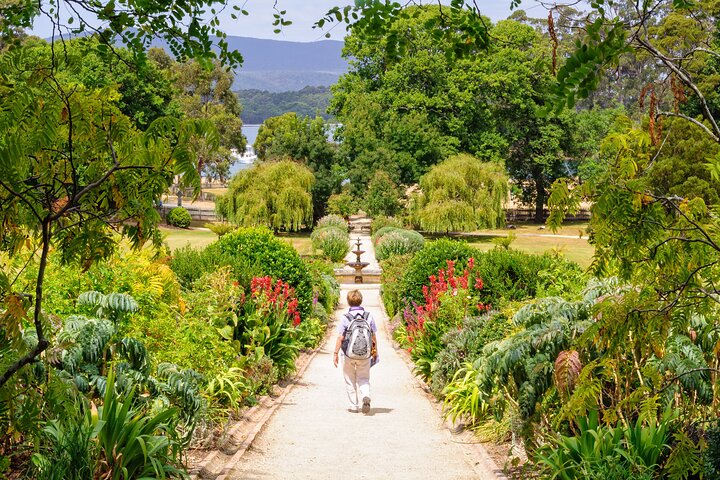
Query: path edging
[266,407]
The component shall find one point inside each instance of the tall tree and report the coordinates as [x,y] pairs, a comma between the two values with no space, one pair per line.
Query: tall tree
[274,194]
[463,194]
[207,94]
[305,140]
[146,92]
[404,114]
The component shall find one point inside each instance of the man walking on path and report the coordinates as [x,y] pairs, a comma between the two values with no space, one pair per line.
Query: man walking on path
[356,371]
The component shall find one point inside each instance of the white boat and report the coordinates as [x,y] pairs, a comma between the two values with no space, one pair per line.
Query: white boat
[247,157]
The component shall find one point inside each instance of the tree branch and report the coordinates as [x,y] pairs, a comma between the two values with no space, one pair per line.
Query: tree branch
[692,120]
[686,79]
[43,343]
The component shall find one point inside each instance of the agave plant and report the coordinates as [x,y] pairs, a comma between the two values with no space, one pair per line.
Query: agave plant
[132,444]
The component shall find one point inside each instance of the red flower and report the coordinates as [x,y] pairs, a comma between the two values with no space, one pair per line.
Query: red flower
[478,283]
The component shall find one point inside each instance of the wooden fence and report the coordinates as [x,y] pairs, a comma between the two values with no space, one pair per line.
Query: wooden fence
[514,215]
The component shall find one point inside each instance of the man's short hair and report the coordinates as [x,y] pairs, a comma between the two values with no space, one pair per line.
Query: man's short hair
[354,298]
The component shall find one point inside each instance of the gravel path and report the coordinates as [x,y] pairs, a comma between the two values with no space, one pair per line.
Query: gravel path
[313,436]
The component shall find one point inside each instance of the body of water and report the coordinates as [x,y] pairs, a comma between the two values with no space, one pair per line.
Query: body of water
[251,132]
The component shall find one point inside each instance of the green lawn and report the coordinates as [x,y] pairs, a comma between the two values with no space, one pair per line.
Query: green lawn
[568,228]
[576,249]
[299,241]
[177,238]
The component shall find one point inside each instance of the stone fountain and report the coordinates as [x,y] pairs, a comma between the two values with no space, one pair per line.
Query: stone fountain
[357,264]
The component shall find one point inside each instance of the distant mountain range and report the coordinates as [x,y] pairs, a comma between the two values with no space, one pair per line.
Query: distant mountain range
[279,66]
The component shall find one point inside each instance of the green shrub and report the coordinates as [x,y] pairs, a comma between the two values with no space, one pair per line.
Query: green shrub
[465,345]
[607,453]
[179,217]
[220,228]
[382,232]
[382,221]
[326,290]
[267,255]
[382,195]
[510,275]
[432,257]
[66,448]
[391,280]
[310,332]
[190,264]
[398,242]
[333,241]
[342,204]
[711,455]
[332,221]
[133,445]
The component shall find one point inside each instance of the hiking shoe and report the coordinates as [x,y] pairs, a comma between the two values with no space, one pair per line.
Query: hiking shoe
[366,405]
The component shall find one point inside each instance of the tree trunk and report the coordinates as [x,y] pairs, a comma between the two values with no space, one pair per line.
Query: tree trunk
[539,197]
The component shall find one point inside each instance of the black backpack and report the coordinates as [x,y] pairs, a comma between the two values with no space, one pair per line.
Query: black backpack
[357,342]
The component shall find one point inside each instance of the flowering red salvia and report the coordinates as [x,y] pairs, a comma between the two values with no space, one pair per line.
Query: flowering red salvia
[278,297]
[446,282]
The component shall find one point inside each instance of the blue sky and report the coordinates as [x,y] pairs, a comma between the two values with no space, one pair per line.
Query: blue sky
[304,14]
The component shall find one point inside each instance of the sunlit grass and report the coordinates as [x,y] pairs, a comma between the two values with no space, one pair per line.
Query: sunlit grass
[196,238]
[200,238]
[575,249]
[575,229]
[299,241]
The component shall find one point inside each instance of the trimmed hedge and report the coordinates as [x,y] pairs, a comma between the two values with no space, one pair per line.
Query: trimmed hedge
[179,217]
[268,255]
[431,258]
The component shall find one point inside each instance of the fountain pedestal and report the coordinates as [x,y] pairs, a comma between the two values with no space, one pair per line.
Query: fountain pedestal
[357,264]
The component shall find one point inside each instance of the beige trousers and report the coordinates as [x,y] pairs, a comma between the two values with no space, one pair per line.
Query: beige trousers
[357,379]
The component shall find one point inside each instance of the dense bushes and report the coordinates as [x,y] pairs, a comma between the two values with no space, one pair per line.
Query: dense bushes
[333,242]
[391,241]
[331,237]
[341,204]
[267,255]
[190,264]
[465,344]
[429,260]
[507,275]
[141,336]
[392,289]
[179,217]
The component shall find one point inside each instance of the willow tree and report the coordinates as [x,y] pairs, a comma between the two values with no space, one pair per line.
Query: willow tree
[275,194]
[462,193]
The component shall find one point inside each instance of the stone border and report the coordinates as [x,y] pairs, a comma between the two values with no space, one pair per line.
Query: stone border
[264,409]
